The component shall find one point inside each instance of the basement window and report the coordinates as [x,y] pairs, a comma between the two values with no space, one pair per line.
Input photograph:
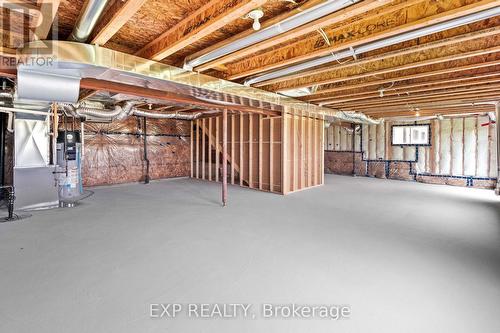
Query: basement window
[411,135]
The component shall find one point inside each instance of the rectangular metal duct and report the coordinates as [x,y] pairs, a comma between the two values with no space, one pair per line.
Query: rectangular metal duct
[73,61]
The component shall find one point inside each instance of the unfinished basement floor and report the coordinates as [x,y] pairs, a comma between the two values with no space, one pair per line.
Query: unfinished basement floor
[407,257]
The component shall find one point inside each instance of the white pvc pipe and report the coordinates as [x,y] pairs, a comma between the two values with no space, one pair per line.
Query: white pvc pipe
[417,33]
[284,26]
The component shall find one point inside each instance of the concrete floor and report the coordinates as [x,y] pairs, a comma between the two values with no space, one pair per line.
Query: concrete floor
[407,257]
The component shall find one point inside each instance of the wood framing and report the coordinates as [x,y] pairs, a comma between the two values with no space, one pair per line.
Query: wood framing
[257,144]
[110,86]
[113,19]
[265,62]
[202,22]
[327,20]
[363,61]
[267,23]
[412,65]
[314,97]
[48,9]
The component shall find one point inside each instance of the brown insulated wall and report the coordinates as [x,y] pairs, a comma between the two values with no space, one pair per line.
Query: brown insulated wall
[114,152]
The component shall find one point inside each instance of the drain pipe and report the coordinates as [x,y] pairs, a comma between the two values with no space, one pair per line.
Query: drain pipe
[355,51]
[88,20]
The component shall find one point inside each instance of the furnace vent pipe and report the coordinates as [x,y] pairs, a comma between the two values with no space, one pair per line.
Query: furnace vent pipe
[279,28]
[352,52]
[88,20]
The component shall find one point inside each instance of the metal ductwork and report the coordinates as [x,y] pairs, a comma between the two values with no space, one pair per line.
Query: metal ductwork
[353,52]
[66,87]
[166,115]
[121,112]
[88,20]
[77,61]
[356,117]
[279,28]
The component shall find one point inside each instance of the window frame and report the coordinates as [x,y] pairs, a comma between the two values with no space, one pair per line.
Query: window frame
[428,144]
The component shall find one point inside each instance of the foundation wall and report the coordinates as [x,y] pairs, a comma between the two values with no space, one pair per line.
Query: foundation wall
[114,152]
[462,153]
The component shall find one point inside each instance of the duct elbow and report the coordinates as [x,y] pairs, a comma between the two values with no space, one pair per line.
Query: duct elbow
[248,82]
[188,66]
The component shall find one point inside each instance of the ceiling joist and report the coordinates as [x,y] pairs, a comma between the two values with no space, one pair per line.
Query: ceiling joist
[470,79]
[265,24]
[333,18]
[417,49]
[316,98]
[114,19]
[410,92]
[202,22]
[48,9]
[405,67]
[298,53]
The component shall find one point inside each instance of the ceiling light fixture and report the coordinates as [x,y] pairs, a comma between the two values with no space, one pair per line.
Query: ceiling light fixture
[288,24]
[255,15]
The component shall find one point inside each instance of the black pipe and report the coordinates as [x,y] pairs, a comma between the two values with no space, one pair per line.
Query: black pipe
[353,126]
[144,130]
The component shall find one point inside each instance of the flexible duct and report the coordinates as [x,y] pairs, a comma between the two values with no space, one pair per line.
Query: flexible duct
[88,20]
[166,115]
[353,52]
[121,113]
[6,95]
[284,26]
[82,111]
[356,117]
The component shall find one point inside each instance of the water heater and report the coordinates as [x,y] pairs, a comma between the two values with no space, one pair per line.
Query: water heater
[68,169]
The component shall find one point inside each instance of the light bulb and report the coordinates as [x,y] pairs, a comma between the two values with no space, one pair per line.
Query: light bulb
[256,24]
[255,15]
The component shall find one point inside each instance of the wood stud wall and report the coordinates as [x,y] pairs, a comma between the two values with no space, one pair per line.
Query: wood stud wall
[304,158]
[264,153]
[461,146]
